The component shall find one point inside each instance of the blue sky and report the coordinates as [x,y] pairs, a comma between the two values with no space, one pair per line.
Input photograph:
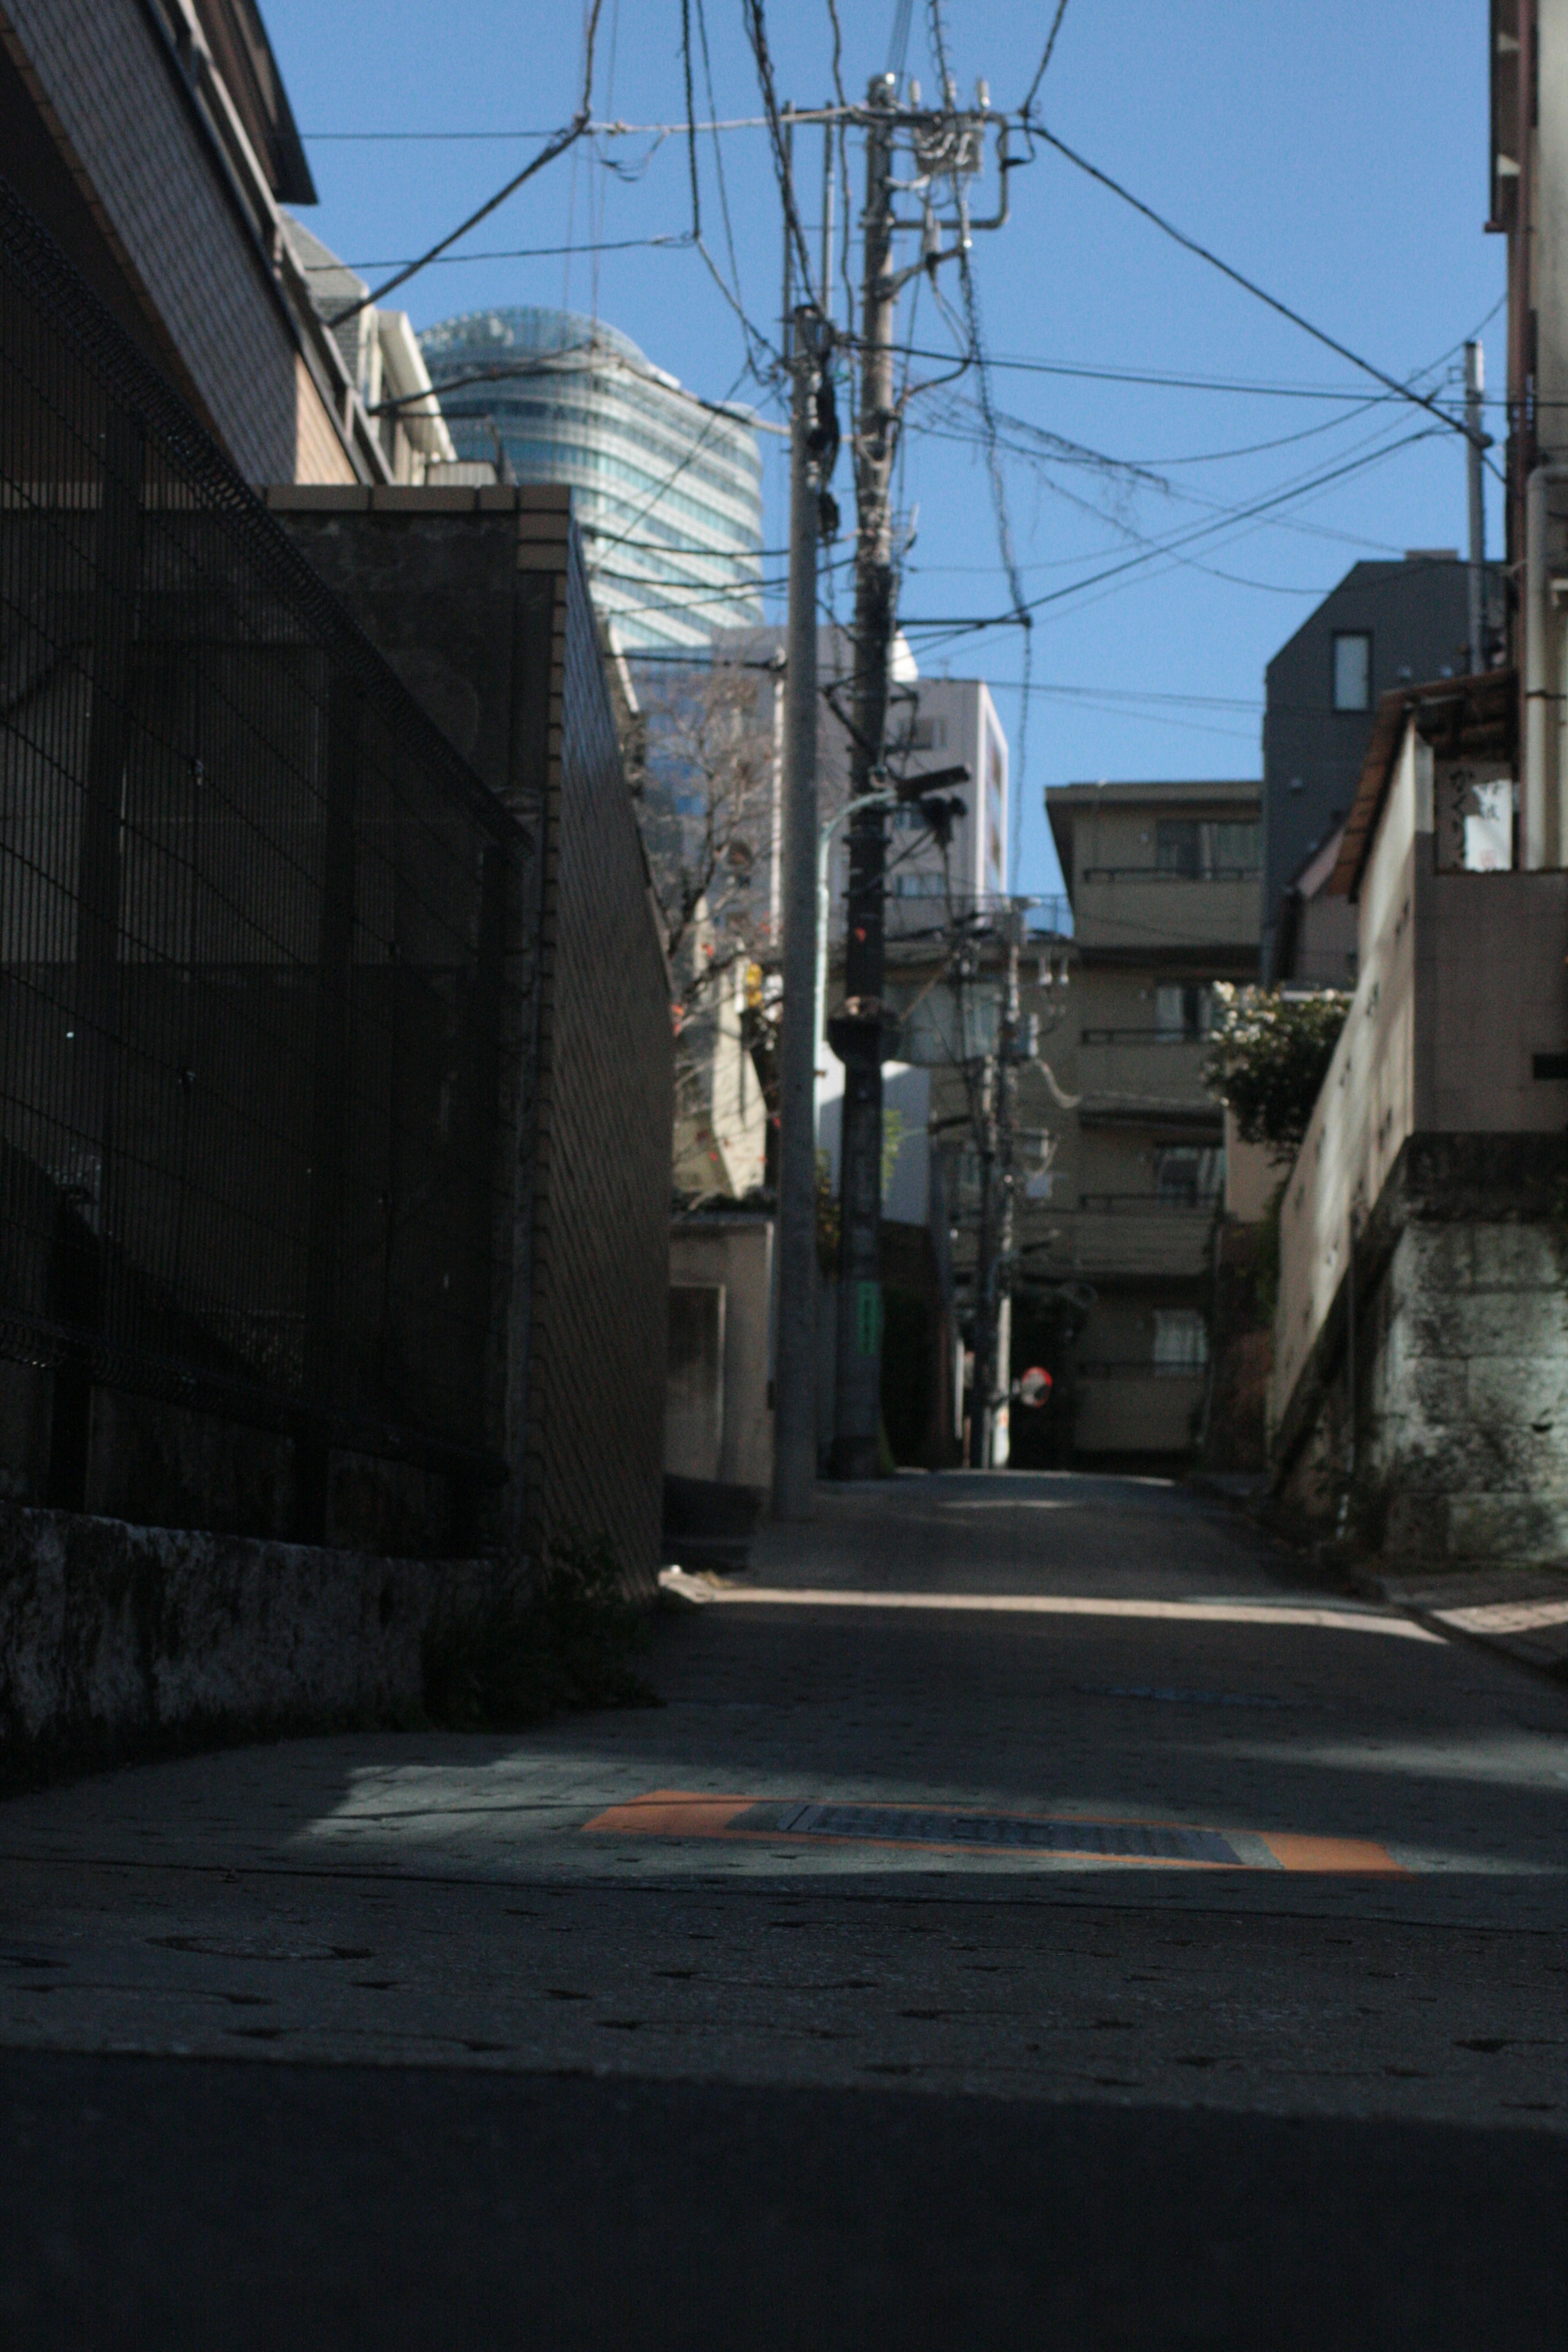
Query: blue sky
[1336,155]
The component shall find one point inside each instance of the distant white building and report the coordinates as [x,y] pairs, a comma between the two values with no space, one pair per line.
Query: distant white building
[934,723]
[385,364]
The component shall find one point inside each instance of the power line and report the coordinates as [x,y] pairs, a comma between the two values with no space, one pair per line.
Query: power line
[672,241]
[1170,547]
[1027,108]
[757,34]
[1162,381]
[557,145]
[1248,285]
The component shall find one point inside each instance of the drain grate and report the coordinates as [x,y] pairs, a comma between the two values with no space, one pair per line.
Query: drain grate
[1006,1833]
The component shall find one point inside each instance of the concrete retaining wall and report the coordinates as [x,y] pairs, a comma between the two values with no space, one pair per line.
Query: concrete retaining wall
[1458,1377]
[117,1641]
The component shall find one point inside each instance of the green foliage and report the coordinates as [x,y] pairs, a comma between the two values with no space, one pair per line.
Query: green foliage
[564,1642]
[1268,1058]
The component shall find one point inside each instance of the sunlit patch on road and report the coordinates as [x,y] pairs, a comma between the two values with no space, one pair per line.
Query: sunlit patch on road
[702,1588]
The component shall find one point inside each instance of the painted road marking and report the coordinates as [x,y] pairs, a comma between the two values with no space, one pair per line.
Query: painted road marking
[1047,1604]
[673,1813]
[1505,1616]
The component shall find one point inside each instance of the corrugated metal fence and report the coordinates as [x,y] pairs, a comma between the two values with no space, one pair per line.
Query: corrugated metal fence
[253,921]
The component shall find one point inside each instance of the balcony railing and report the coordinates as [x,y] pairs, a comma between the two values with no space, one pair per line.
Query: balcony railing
[1144,1037]
[1169,874]
[1145,1204]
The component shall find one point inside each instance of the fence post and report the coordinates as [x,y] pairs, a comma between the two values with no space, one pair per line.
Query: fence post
[76,1277]
[329,1073]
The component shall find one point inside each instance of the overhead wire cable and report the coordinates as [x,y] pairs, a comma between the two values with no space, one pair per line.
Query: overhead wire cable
[964,625]
[1249,285]
[899,40]
[692,121]
[672,240]
[1027,108]
[833,18]
[753,334]
[555,146]
[757,33]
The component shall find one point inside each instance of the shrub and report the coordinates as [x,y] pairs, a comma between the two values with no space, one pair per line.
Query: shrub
[1268,1058]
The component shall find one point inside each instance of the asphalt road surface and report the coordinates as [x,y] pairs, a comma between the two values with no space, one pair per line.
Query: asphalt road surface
[1033,1915]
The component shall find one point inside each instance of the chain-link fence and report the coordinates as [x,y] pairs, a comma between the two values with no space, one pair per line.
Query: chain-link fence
[253,930]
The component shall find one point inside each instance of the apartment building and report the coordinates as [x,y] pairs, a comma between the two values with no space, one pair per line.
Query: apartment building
[1164,883]
[153,141]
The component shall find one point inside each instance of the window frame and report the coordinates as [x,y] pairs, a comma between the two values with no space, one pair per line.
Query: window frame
[1345,637]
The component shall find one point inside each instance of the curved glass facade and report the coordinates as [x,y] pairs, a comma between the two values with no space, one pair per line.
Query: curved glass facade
[667,491]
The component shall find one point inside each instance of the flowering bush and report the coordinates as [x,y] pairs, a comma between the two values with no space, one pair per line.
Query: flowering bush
[1268,1058]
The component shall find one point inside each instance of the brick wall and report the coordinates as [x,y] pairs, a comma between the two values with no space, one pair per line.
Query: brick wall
[479,599]
[106,86]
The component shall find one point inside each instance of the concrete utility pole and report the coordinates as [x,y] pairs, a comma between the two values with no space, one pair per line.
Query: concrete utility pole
[794,1359]
[998,1147]
[857,1034]
[1474,446]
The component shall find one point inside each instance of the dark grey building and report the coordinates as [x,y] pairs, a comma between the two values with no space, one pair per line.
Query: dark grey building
[1384,625]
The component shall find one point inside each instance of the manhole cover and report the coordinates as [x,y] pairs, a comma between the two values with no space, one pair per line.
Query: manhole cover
[1008,1833]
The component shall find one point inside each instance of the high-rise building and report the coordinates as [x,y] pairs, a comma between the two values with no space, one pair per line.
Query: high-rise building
[667,486]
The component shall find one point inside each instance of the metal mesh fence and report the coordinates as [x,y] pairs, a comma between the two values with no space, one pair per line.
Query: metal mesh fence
[253,917]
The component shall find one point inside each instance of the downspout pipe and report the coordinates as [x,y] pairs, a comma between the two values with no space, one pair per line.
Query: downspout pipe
[1542,842]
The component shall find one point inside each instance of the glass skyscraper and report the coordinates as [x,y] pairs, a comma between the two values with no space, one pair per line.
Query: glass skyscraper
[668,488]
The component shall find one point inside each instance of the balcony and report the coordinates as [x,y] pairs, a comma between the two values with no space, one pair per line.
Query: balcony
[1127,1237]
[1154,908]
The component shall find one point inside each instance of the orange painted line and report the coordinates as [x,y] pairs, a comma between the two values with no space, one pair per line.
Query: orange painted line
[675,1812]
[668,1813]
[1293,1853]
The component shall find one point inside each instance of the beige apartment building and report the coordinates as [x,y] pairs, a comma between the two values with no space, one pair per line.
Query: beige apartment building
[1164,883]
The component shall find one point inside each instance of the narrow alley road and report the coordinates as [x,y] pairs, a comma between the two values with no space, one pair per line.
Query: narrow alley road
[1031,1916]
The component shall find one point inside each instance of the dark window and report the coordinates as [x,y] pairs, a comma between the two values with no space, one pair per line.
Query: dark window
[1353,670]
[1178,845]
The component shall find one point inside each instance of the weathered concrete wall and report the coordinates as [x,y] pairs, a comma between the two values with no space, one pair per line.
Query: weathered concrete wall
[117,1641]
[1462,988]
[1458,1381]
[735,1252]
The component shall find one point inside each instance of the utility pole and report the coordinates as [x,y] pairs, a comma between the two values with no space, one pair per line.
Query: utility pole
[857,1034]
[997,1143]
[947,145]
[795,1357]
[1475,443]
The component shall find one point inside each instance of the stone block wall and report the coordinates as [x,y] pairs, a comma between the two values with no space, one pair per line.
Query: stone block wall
[120,1640]
[1458,1380]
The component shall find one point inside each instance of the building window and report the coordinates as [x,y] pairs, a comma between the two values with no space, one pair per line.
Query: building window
[1186,1177]
[1178,845]
[1183,1009]
[1353,670]
[1207,849]
[1181,1340]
